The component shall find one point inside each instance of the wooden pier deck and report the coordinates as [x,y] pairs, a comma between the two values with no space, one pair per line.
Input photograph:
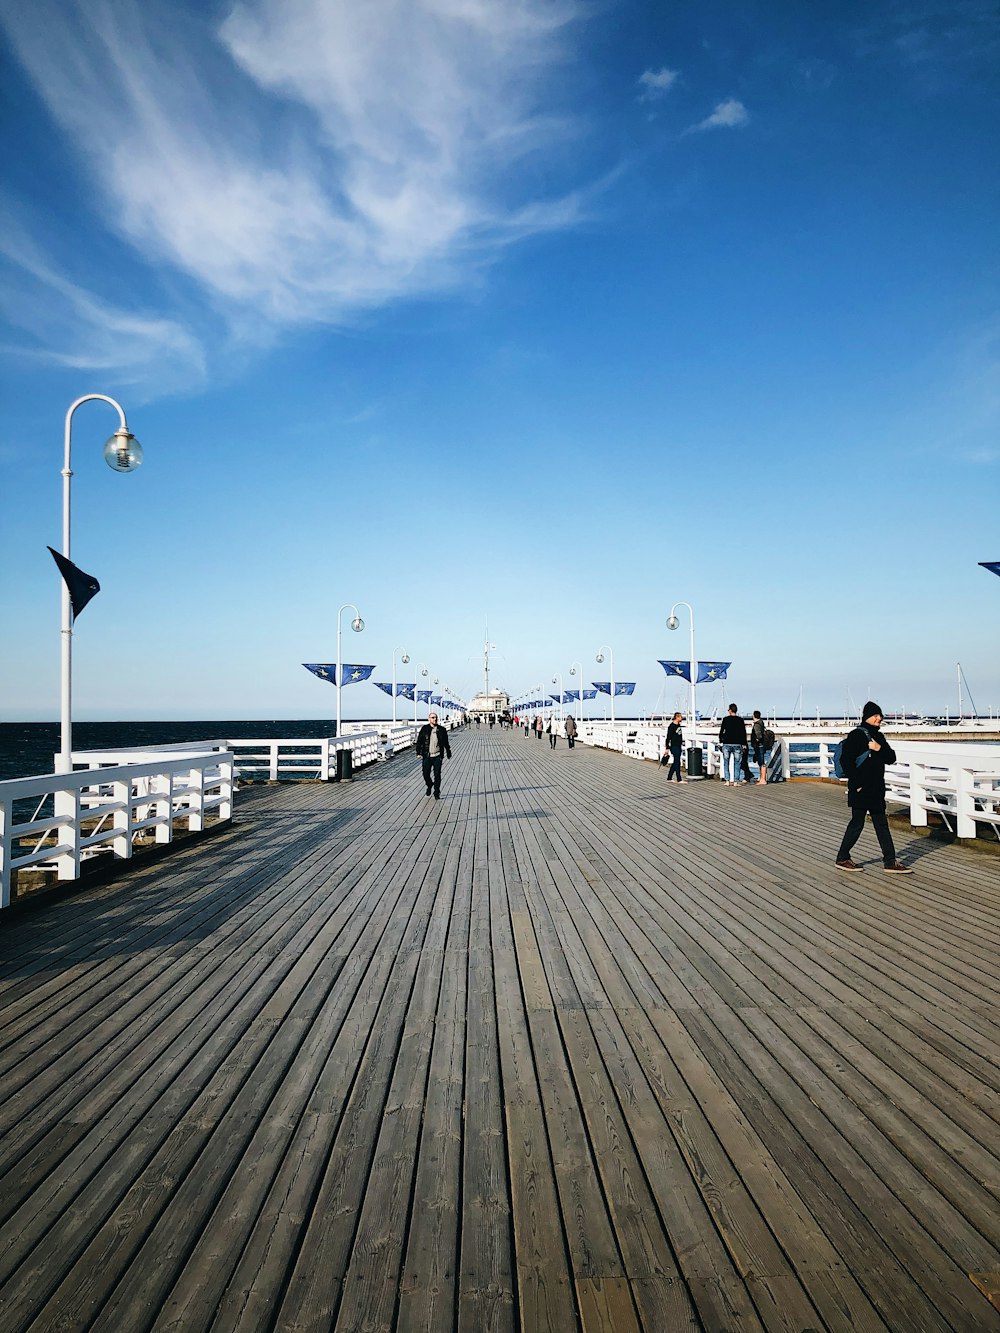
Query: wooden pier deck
[567,1050]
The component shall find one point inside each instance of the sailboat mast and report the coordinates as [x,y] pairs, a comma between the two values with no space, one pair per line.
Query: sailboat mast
[958,668]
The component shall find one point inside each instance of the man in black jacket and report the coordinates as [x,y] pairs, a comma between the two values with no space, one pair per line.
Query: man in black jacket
[432,746]
[863,758]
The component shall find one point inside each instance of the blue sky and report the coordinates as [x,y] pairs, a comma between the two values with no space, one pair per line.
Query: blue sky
[549,313]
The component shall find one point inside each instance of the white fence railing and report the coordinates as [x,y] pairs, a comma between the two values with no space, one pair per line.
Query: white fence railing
[958,781]
[91,812]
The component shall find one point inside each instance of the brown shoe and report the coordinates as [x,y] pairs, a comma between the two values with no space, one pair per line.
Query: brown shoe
[848,864]
[898,869]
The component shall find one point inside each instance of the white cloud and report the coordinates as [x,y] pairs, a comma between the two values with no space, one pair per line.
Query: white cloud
[726,115]
[655,83]
[70,326]
[310,158]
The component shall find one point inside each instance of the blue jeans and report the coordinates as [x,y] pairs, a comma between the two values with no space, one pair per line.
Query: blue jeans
[731,754]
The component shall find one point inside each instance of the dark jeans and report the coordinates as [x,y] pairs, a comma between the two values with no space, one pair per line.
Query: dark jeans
[876,809]
[552,739]
[432,772]
[745,765]
[675,767]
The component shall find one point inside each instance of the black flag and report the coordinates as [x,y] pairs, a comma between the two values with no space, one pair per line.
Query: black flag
[81,586]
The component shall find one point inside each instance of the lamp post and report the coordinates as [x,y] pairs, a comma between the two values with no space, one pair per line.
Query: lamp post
[423,672]
[558,677]
[122,453]
[600,658]
[672,623]
[574,668]
[357,624]
[404,659]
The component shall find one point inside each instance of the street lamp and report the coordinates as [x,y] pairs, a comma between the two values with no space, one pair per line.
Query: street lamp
[558,677]
[600,658]
[423,672]
[357,624]
[577,666]
[404,659]
[672,623]
[122,453]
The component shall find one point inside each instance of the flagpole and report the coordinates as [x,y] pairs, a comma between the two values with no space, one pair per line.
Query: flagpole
[672,623]
[404,658]
[357,624]
[600,657]
[574,667]
[124,458]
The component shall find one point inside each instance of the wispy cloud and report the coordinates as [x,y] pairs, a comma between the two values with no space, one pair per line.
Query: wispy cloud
[65,324]
[656,83]
[726,115]
[309,158]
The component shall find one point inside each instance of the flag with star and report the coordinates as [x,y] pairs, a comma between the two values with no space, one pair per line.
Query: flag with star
[325,670]
[712,671]
[383,685]
[353,674]
[406,691]
[682,669]
[624,686]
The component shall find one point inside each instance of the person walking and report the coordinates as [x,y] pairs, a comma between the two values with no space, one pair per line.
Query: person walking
[569,727]
[762,740]
[733,735]
[527,723]
[432,747]
[675,744]
[539,726]
[552,732]
[863,759]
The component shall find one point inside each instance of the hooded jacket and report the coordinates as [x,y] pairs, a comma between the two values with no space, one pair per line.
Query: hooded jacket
[864,768]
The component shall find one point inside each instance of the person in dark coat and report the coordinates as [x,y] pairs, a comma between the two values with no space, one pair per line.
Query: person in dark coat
[432,746]
[675,743]
[863,759]
[569,726]
[733,735]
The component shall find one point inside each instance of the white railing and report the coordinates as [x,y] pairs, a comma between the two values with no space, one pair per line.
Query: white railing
[274,760]
[961,783]
[958,781]
[91,812]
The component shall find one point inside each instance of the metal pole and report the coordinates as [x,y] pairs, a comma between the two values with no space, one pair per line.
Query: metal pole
[340,665]
[65,761]
[393,687]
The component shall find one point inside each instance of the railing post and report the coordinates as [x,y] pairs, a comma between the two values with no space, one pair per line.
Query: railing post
[786,758]
[273,764]
[918,794]
[965,805]
[196,807]
[121,793]
[6,843]
[225,806]
[66,807]
[165,807]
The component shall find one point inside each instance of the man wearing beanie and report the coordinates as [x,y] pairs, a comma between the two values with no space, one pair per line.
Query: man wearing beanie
[863,758]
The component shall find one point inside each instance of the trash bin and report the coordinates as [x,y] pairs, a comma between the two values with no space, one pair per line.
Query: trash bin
[345,765]
[695,762]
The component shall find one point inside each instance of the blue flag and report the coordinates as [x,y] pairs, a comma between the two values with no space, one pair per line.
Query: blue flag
[712,671]
[992,565]
[354,674]
[590,694]
[682,669]
[603,685]
[406,691]
[383,685]
[570,695]
[624,686]
[325,670]
[423,696]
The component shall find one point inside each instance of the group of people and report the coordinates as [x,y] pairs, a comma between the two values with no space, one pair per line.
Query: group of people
[540,726]
[864,756]
[736,746]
